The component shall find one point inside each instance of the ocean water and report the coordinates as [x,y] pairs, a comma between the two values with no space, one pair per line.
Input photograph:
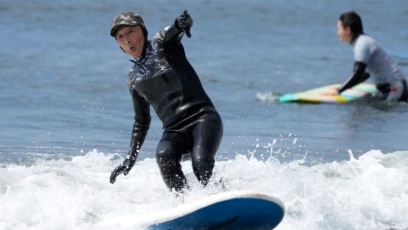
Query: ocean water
[66,114]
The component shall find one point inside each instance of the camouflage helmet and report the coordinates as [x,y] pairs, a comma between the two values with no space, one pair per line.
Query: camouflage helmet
[127,19]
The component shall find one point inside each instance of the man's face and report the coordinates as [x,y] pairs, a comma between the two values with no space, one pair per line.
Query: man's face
[131,39]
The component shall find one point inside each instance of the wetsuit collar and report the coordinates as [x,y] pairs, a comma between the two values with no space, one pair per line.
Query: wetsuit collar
[137,60]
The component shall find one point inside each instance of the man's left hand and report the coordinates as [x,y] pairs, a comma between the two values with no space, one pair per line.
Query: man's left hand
[184,23]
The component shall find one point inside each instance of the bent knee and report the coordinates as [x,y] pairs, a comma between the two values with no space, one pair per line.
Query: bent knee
[203,161]
[164,151]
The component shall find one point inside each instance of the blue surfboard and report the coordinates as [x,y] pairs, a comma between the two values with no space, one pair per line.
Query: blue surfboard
[229,210]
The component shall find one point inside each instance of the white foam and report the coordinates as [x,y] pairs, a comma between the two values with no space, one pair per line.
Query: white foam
[369,192]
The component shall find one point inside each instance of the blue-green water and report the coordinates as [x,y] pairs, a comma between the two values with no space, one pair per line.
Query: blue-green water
[67,114]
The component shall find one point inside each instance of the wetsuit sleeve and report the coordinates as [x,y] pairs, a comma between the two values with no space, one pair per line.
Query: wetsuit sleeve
[141,124]
[171,33]
[359,75]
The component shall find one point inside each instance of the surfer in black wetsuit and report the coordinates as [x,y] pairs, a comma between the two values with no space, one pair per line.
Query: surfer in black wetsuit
[163,78]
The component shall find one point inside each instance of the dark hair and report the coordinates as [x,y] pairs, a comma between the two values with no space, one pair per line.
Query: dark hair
[353,20]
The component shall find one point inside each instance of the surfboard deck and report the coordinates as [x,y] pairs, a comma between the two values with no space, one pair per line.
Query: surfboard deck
[322,94]
[228,210]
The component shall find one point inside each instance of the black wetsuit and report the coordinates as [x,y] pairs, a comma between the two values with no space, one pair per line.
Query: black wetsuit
[164,79]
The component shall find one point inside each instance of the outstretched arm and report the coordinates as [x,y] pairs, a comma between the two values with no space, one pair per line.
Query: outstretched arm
[359,75]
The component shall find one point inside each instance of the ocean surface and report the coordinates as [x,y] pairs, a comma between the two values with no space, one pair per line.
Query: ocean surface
[66,114]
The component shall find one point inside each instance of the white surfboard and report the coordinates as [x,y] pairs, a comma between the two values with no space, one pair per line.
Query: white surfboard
[323,94]
[228,210]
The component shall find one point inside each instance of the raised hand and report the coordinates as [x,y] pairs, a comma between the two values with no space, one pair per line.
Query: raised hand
[184,23]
